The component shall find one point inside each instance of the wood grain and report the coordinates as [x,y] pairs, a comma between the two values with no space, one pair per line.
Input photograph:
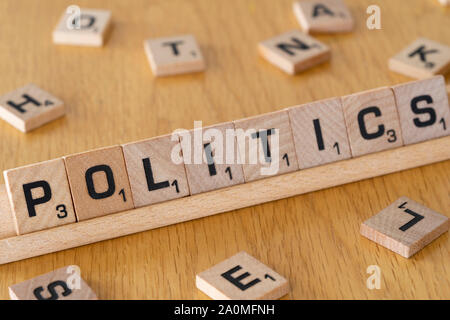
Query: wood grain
[112,98]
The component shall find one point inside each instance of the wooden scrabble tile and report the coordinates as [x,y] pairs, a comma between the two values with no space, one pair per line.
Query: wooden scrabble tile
[320,134]
[7,229]
[294,51]
[30,107]
[39,196]
[323,16]
[99,182]
[174,55]
[88,29]
[423,109]
[422,59]
[62,284]
[154,177]
[266,145]
[207,167]
[242,277]
[372,121]
[405,227]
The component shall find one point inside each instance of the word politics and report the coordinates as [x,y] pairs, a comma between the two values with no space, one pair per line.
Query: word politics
[323,16]
[188,162]
[82,27]
[174,55]
[294,51]
[62,284]
[405,227]
[422,59]
[30,107]
[242,277]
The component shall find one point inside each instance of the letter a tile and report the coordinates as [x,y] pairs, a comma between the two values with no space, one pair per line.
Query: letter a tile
[294,51]
[62,284]
[39,195]
[323,16]
[405,227]
[242,277]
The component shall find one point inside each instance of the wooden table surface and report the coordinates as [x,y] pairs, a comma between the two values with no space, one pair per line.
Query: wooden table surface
[112,97]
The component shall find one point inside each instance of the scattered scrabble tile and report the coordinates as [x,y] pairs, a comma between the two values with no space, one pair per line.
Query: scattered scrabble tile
[320,134]
[422,59]
[30,107]
[174,55]
[39,195]
[154,177]
[372,121]
[62,284]
[294,51]
[261,157]
[242,277]
[99,182]
[206,167]
[405,227]
[88,29]
[423,109]
[7,229]
[323,16]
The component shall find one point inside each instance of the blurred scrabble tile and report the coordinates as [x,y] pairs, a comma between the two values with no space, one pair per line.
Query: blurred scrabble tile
[30,107]
[294,51]
[99,182]
[39,196]
[323,16]
[266,145]
[207,166]
[89,28]
[372,121]
[319,131]
[154,177]
[7,228]
[423,109]
[62,284]
[422,59]
[242,277]
[405,227]
[174,55]
[445,2]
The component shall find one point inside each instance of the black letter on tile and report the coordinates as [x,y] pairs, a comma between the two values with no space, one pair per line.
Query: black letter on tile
[90,182]
[29,99]
[362,126]
[173,45]
[431,112]
[152,186]
[237,281]
[31,203]
[265,142]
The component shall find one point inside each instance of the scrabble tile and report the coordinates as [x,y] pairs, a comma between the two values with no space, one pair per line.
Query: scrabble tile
[174,55]
[294,51]
[206,167]
[39,196]
[99,182]
[7,229]
[372,121]
[242,277]
[422,59]
[154,177]
[266,145]
[423,109]
[30,107]
[445,2]
[90,29]
[320,134]
[405,227]
[323,16]
[62,284]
